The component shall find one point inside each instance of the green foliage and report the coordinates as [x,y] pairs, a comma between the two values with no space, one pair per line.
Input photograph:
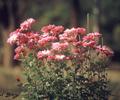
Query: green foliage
[61,80]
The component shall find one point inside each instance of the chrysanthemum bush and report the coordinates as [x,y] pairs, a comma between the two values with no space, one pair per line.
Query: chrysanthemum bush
[61,64]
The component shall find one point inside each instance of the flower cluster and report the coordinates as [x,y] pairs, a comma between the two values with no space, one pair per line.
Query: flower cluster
[65,64]
[54,42]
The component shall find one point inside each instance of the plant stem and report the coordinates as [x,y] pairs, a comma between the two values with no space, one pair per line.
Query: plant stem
[88,22]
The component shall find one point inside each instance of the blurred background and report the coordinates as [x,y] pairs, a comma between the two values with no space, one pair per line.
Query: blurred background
[104,16]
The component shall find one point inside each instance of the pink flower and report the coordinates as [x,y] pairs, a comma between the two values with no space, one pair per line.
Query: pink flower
[91,36]
[56,30]
[44,53]
[17,56]
[68,57]
[71,32]
[89,44]
[62,37]
[39,55]
[33,39]
[56,46]
[47,29]
[19,49]
[59,57]
[105,50]
[13,37]
[45,40]
[44,35]
[51,57]
[52,29]
[27,24]
[32,44]
[50,38]
[75,31]
[59,46]
[68,37]
[34,36]
[22,39]
[42,43]
[79,43]
[81,31]
[55,43]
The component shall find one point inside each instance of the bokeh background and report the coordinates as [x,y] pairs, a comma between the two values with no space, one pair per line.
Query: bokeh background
[104,16]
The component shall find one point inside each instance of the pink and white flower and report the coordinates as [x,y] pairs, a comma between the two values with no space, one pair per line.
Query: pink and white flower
[89,44]
[81,31]
[59,46]
[44,53]
[105,50]
[56,30]
[47,29]
[27,24]
[75,31]
[55,42]
[91,36]
[13,37]
[16,56]
[59,57]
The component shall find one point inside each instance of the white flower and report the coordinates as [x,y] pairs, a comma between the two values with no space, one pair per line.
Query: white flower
[59,57]
[46,52]
[12,39]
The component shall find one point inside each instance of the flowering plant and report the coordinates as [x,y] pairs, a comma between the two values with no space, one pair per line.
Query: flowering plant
[61,64]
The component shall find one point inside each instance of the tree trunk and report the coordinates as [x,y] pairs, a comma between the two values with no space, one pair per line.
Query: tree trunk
[6,27]
[10,14]
[96,17]
[7,53]
[75,10]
